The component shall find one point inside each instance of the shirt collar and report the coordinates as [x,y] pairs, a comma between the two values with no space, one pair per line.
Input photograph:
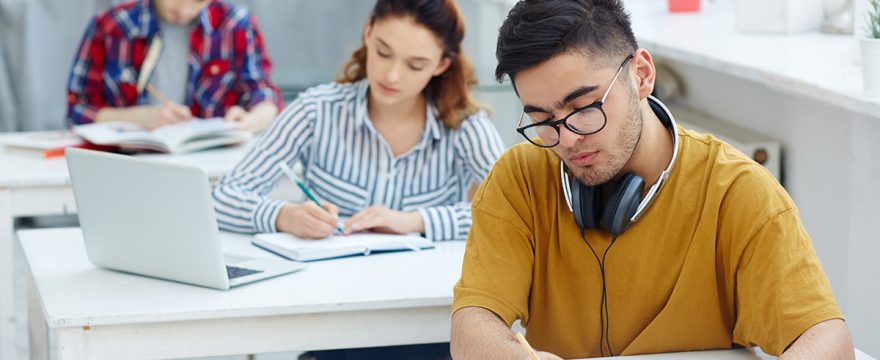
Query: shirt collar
[207,18]
[362,114]
[432,122]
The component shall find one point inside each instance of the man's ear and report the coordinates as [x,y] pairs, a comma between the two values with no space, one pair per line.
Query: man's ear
[645,72]
[443,66]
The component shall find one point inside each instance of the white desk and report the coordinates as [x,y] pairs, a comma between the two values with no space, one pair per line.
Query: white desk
[404,298]
[33,186]
[732,354]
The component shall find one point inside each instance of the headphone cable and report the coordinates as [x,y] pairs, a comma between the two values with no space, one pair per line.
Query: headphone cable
[605,297]
[604,320]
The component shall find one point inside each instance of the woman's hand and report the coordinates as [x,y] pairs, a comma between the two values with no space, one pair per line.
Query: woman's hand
[381,219]
[308,220]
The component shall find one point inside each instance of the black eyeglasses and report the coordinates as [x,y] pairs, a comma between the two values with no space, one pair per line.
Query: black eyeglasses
[585,120]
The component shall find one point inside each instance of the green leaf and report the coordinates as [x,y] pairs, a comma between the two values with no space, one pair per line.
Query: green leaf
[872,18]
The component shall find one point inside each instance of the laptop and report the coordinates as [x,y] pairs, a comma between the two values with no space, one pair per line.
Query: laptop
[156,219]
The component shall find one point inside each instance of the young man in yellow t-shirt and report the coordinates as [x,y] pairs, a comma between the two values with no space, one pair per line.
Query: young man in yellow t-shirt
[615,232]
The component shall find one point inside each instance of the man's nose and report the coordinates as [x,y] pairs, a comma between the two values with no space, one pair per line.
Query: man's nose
[568,138]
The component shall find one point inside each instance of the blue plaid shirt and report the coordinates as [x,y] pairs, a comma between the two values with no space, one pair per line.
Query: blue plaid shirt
[228,64]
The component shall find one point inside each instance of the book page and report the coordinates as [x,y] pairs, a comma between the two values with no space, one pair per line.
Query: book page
[175,135]
[193,135]
[44,140]
[359,239]
[341,244]
[116,133]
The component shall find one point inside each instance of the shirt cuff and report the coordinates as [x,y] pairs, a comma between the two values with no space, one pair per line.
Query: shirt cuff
[265,215]
[440,222]
[80,114]
[265,94]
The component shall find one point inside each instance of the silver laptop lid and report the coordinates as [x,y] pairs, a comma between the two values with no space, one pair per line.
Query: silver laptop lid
[147,218]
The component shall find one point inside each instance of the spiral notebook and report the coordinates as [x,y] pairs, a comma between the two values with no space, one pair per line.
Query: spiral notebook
[294,248]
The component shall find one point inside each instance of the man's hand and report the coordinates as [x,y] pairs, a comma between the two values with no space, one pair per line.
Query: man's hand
[382,219]
[169,113]
[255,120]
[146,116]
[245,120]
[547,356]
[478,333]
[308,220]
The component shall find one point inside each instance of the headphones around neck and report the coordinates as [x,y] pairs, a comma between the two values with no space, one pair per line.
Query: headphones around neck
[625,204]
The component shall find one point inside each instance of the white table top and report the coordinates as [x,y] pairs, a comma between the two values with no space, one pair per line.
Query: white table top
[25,168]
[730,354]
[822,67]
[76,293]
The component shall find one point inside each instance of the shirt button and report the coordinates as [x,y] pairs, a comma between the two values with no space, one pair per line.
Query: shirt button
[126,76]
[214,69]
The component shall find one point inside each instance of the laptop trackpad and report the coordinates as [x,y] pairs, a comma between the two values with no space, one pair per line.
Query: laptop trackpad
[235,258]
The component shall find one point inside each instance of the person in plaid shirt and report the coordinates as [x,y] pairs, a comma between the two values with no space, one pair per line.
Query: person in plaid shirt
[207,58]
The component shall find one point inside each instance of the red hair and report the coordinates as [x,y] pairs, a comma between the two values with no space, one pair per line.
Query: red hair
[450,91]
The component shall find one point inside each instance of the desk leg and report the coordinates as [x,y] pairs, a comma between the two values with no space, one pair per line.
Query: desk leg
[8,344]
[70,344]
[38,329]
[55,344]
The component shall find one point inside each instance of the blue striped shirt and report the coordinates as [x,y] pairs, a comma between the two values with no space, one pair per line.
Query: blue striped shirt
[347,162]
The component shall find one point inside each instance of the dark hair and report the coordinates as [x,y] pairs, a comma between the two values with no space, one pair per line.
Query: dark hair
[537,30]
[450,90]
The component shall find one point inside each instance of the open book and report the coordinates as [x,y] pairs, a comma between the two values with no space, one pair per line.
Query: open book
[175,138]
[294,248]
[42,140]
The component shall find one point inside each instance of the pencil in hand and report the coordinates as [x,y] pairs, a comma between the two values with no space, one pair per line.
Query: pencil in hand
[287,171]
[156,94]
[525,344]
[178,112]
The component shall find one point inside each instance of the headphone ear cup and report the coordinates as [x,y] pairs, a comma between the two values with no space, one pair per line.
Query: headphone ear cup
[587,204]
[622,203]
[577,205]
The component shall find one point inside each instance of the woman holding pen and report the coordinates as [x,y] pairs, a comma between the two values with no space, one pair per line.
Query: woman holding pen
[394,145]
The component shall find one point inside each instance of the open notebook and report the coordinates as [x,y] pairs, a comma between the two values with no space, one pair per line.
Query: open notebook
[294,248]
[184,137]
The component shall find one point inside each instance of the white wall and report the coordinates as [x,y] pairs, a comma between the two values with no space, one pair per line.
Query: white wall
[482,19]
[863,250]
[831,171]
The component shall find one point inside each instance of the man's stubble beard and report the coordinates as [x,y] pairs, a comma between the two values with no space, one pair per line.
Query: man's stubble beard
[618,156]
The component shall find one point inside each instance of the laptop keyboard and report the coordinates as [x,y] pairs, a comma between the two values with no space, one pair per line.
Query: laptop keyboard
[236,272]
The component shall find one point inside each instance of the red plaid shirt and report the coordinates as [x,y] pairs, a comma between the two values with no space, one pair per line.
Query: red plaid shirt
[227,63]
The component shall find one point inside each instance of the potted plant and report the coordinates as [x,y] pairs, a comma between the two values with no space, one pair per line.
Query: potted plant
[871,49]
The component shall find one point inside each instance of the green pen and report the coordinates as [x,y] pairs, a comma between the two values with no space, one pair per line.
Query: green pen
[290,175]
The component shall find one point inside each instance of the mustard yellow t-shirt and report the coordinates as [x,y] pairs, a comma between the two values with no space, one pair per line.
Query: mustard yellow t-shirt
[720,258]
